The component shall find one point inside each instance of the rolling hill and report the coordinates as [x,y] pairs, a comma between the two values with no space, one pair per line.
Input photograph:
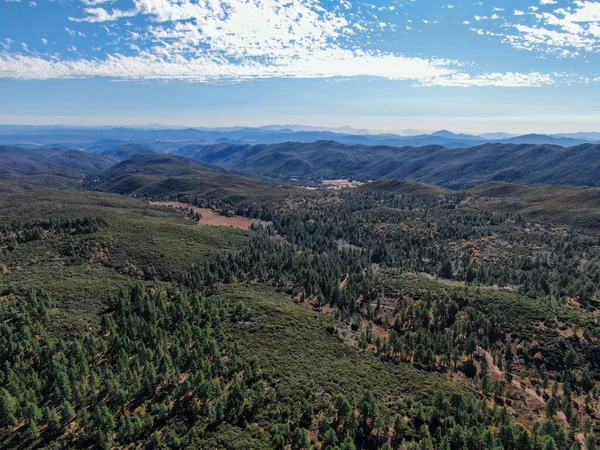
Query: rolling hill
[27,170]
[125,151]
[403,187]
[551,205]
[62,180]
[458,168]
[557,205]
[353,317]
[164,175]
[16,160]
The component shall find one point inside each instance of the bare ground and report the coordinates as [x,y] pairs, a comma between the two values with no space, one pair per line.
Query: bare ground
[209,217]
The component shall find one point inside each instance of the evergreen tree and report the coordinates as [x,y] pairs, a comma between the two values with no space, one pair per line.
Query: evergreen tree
[8,408]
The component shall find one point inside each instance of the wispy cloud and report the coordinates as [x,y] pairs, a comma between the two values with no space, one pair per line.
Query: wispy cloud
[234,40]
[319,65]
[509,79]
[565,31]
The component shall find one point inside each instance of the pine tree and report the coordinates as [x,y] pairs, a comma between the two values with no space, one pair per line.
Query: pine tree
[446,269]
[8,408]
[551,407]
[343,407]
[348,444]
[301,438]
[330,438]
[550,444]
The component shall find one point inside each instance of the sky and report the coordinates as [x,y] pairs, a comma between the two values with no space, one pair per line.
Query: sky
[515,66]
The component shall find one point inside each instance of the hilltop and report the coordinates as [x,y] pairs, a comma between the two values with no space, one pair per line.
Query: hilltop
[164,175]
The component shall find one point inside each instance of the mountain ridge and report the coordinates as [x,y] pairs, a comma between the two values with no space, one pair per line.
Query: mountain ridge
[21,161]
[456,168]
[98,139]
[159,175]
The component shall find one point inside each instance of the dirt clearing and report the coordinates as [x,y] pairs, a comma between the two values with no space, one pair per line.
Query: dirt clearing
[209,217]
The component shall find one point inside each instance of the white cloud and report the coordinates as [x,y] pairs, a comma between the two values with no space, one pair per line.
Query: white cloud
[103,15]
[563,31]
[234,40]
[6,43]
[96,2]
[341,63]
[508,79]
[235,28]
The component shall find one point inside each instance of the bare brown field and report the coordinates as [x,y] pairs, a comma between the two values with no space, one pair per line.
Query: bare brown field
[209,217]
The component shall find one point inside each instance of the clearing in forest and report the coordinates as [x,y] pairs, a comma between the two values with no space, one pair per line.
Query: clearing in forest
[209,217]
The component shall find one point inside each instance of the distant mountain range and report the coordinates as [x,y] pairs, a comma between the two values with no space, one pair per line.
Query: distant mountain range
[21,161]
[457,168]
[125,151]
[101,139]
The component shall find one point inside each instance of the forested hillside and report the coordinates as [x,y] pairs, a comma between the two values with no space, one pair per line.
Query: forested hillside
[15,160]
[125,151]
[54,168]
[393,315]
[453,168]
[160,175]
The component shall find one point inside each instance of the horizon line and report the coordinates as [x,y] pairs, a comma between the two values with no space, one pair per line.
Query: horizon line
[309,128]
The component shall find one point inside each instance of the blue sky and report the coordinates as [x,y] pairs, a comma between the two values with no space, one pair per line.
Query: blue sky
[387,65]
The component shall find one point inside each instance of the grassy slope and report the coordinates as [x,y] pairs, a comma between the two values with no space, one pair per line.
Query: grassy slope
[299,354]
[544,203]
[404,187]
[23,183]
[138,235]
